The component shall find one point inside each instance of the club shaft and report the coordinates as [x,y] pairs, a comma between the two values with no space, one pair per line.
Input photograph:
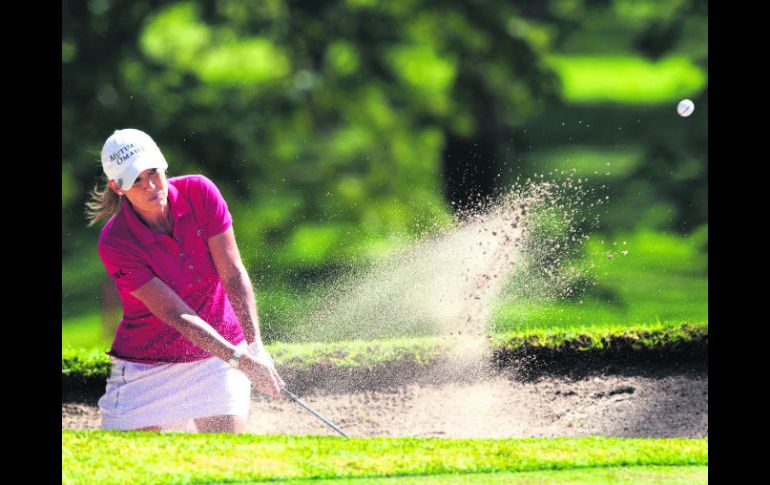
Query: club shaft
[314,413]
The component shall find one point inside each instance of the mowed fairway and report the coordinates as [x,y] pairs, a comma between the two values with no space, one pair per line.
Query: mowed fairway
[670,475]
[154,458]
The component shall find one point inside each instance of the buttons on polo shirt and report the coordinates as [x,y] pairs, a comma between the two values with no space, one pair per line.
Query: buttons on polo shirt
[190,267]
[200,232]
[181,254]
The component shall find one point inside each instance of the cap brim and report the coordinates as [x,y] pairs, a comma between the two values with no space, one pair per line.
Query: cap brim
[141,163]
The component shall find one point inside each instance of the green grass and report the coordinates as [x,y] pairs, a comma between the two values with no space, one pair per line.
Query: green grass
[115,457]
[419,351]
[625,79]
[598,337]
[301,356]
[81,278]
[360,354]
[588,161]
[671,475]
[84,332]
[78,366]
[662,279]
[84,362]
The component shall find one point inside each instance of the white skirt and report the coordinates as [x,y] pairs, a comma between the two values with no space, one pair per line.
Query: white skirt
[170,395]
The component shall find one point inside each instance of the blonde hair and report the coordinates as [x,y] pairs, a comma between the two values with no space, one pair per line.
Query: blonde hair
[104,202]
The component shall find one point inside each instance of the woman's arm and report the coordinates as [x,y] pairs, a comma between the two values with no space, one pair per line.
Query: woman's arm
[236,282]
[165,304]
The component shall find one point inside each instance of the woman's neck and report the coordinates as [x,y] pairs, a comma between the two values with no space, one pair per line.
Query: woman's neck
[163,222]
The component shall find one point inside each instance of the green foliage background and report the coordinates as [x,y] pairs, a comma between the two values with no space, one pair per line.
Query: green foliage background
[340,129]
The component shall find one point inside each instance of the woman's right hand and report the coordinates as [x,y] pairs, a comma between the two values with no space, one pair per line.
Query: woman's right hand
[262,374]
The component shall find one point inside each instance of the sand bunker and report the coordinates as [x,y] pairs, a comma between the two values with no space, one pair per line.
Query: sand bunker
[496,407]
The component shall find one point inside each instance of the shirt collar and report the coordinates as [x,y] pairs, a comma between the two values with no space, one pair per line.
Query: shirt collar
[179,207]
[179,203]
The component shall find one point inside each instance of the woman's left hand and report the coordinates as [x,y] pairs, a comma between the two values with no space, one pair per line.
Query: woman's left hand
[258,350]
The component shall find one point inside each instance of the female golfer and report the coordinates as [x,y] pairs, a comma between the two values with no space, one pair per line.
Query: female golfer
[188,348]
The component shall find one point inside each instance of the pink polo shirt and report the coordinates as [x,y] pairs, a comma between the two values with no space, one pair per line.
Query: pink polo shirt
[133,254]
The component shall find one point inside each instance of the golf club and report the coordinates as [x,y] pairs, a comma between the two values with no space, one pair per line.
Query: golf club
[325,421]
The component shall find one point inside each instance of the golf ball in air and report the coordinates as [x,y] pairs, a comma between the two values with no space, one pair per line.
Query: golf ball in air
[685,107]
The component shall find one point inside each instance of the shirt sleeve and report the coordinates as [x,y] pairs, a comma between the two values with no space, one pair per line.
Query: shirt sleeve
[128,271]
[217,215]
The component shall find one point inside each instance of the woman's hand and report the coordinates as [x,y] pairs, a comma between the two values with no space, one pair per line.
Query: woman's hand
[257,349]
[267,382]
[262,374]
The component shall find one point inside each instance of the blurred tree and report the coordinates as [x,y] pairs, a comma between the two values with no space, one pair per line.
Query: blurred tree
[666,189]
[335,129]
[327,125]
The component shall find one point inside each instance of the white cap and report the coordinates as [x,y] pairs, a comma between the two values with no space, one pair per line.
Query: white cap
[129,152]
